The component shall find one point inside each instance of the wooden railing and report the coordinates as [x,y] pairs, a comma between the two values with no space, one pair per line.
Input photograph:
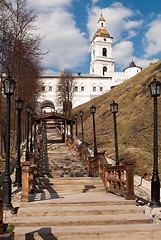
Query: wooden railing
[29,170]
[116,179]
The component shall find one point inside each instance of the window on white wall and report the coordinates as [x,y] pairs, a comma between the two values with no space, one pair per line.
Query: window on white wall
[101,89]
[50,88]
[76,89]
[43,88]
[104,52]
[82,88]
[104,70]
[94,89]
[94,53]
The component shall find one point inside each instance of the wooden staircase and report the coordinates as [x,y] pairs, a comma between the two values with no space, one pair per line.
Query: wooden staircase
[67,204]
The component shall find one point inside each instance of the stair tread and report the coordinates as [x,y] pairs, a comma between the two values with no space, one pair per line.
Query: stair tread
[117,208]
[96,228]
[87,218]
[79,198]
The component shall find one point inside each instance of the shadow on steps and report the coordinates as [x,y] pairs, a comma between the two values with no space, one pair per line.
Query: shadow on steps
[44,233]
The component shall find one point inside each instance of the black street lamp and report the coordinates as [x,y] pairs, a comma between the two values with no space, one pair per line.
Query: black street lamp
[76,117]
[19,104]
[155,182]
[28,108]
[35,123]
[81,115]
[114,110]
[71,129]
[31,114]
[93,110]
[8,86]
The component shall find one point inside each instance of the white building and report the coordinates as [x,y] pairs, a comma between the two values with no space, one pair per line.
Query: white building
[102,75]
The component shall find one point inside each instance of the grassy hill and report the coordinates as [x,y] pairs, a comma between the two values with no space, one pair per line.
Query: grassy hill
[134,121]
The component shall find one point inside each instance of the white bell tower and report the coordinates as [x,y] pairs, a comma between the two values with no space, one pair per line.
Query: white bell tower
[101,51]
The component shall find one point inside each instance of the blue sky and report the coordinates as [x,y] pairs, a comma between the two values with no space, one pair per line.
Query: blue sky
[67,27]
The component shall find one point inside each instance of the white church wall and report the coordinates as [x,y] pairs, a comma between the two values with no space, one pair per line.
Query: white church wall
[98,82]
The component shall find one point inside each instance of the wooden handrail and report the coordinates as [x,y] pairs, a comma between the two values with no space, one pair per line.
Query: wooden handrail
[117,179]
[29,171]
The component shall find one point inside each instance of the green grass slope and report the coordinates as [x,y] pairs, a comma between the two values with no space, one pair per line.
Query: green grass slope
[134,121]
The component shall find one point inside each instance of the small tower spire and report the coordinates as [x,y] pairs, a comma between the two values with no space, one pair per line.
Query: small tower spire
[101,18]
[102,22]
[150,62]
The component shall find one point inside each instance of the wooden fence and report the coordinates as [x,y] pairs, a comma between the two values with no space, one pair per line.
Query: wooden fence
[29,170]
[116,179]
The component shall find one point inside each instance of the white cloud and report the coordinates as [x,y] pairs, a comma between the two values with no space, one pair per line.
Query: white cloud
[66,44]
[131,34]
[123,52]
[94,1]
[48,4]
[152,40]
[133,24]
[144,62]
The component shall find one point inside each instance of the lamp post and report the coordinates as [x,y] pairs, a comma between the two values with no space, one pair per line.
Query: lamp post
[28,108]
[8,86]
[155,182]
[81,115]
[114,110]
[31,114]
[93,110]
[35,123]
[19,104]
[71,129]
[76,117]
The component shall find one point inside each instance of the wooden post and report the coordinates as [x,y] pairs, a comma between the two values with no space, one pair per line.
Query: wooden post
[25,181]
[65,129]
[129,167]
[90,167]
[31,178]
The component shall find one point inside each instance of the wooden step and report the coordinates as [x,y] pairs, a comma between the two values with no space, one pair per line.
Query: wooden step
[100,232]
[79,210]
[82,220]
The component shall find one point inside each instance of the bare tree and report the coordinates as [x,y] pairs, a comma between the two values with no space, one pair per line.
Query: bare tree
[20,55]
[65,90]
[18,45]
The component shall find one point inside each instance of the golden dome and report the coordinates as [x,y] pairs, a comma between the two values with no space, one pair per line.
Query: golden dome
[102,33]
[101,18]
